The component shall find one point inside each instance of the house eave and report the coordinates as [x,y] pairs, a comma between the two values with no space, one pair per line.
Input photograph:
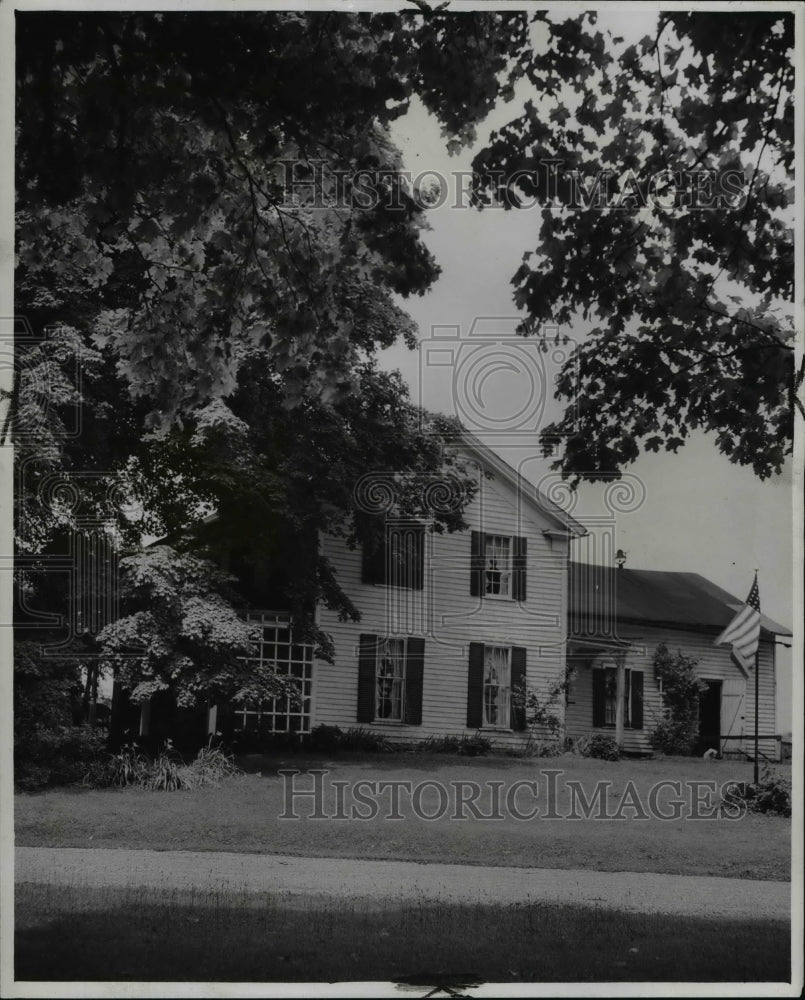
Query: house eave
[566,525]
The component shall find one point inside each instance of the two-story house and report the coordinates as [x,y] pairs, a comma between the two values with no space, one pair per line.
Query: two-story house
[450,625]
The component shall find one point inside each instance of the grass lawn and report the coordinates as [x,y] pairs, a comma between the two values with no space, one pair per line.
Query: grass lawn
[105,934]
[244,815]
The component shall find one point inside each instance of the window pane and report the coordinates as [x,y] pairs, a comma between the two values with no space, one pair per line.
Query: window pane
[390,679]
[611,694]
[497,676]
[498,564]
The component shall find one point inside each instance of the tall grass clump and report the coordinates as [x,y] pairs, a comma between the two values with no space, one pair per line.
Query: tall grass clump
[164,772]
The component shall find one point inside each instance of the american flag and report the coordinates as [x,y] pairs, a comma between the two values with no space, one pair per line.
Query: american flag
[743,632]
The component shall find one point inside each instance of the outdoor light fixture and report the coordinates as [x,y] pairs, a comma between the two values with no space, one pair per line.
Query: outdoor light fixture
[620,558]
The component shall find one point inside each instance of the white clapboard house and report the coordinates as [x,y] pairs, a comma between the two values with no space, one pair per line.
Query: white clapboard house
[452,624]
[619,616]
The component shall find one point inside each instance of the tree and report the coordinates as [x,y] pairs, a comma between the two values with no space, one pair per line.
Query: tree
[207,269]
[181,632]
[212,226]
[664,176]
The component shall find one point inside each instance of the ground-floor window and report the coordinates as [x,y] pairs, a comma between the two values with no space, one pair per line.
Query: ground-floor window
[390,680]
[605,697]
[497,686]
[275,646]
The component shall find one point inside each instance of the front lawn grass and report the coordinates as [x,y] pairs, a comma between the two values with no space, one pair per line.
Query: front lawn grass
[136,934]
[244,815]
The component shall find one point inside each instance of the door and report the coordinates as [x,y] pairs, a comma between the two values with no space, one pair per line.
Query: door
[733,710]
[710,718]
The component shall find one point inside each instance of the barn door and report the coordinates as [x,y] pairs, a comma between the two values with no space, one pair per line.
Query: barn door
[733,709]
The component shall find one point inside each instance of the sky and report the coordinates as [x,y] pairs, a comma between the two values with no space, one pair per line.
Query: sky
[693,511]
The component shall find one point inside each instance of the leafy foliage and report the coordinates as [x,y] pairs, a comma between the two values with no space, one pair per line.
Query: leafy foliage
[540,707]
[677,731]
[164,772]
[771,795]
[54,754]
[599,746]
[333,738]
[213,233]
[49,748]
[665,221]
[205,287]
[179,632]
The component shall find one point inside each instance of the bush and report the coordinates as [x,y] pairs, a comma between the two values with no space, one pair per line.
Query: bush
[58,755]
[331,738]
[600,746]
[678,732]
[771,795]
[675,736]
[439,744]
[474,746]
[326,737]
[534,747]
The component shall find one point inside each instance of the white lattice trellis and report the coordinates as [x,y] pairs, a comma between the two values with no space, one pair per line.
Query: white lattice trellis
[294,659]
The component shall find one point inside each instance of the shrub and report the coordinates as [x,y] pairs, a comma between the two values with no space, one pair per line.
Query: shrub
[326,737]
[771,795]
[534,747]
[365,739]
[56,755]
[600,746]
[331,738]
[675,736]
[474,746]
[439,744]
[678,731]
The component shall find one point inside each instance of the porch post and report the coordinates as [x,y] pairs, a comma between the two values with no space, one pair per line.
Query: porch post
[145,717]
[620,698]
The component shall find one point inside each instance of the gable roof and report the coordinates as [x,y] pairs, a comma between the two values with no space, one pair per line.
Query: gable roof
[535,498]
[657,597]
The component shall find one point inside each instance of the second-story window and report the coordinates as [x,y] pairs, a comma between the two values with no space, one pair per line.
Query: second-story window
[497,572]
[398,558]
[498,566]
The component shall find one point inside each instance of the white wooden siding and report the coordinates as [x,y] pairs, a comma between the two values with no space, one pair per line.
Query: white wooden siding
[715,663]
[449,619]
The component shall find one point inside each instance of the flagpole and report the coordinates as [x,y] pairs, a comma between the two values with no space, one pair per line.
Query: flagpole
[757,711]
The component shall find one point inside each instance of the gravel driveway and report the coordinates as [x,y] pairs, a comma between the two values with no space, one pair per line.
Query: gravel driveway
[401,881]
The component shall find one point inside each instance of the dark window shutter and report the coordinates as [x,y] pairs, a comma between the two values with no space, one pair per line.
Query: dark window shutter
[519,568]
[373,565]
[367,653]
[415,557]
[518,686]
[599,697]
[627,697]
[477,564]
[419,565]
[475,686]
[414,672]
[637,699]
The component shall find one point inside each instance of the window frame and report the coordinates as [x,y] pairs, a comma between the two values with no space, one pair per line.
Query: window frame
[504,708]
[402,659]
[387,556]
[627,701]
[508,573]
